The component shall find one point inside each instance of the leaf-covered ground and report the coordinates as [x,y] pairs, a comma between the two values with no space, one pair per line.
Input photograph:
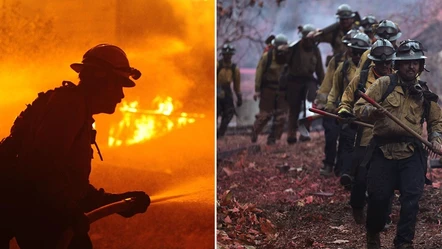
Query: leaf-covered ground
[277,199]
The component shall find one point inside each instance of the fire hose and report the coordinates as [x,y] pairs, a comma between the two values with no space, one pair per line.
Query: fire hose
[397,121]
[105,211]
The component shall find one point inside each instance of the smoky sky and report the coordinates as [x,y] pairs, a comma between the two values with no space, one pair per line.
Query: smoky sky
[322,14]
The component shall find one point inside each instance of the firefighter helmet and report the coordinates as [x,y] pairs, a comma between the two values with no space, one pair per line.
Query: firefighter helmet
[344,12]
[109,57]
[306,31]
[360,41]
[280,39]
[367,23]
[382,50]
[388,30]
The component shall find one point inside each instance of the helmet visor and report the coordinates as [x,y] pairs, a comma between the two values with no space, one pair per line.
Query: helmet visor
[383,50]
[410,45]
[358,43]
[228,49]
[386,31]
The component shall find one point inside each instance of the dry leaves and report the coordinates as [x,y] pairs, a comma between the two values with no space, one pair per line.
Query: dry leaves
[242,223]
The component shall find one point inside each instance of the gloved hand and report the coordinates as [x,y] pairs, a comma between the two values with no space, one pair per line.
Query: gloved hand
[330,107]
[347,117]
[437,147]
[345,113]
[239,100]
[140,204]
[317,104]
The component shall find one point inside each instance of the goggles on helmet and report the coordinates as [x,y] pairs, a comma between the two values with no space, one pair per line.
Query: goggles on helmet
[386,31]
[382,50]
[406,46]
[358,43]
[227,48]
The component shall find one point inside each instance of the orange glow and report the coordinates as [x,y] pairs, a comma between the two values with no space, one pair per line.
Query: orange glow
[161,139]
[139,125]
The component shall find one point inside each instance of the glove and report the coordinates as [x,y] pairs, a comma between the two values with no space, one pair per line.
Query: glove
[239,101]
[256,96]
[140,204]
[345,113]
[330,107]
[375,113]
[347,117]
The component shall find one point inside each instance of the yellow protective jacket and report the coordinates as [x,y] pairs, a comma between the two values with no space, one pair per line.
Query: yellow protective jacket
[327,83]
[407,109]
[270,78]
[340,82]
[348,100]
[225,77]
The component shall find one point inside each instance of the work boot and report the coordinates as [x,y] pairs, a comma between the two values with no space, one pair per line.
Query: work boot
[405,246]
[291,140]
[387,223]
[346,181]
[253,136]
[326,171]
[373,241]
[359,215]
[304,138]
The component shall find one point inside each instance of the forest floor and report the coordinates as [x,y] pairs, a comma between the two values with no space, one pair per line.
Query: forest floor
[277,199]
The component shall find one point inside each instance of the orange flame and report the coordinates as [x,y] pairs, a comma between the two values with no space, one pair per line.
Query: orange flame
[138,125]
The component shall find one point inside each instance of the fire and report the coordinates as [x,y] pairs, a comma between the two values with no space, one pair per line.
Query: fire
[139,125]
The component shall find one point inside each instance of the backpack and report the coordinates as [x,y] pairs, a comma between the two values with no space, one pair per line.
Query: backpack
[284,77]
[427,94]
[10,145]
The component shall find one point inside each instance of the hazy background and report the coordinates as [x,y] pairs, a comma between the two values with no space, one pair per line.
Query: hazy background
[247,23]
[172,43]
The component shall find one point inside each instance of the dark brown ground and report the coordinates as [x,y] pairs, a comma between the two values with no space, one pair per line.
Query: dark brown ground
[260,206]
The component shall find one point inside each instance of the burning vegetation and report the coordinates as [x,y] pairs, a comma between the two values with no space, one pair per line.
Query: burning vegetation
[138,125]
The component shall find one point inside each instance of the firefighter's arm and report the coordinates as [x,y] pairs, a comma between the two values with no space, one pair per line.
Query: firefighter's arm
[259,70]
[324,37]
[237,81]
[326,85]
[348,98]
[434,123]
[319,69]
[237,86]
[366,111]
[334,92]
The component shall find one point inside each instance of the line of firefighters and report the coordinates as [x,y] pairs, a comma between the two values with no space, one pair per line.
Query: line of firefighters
[371,162]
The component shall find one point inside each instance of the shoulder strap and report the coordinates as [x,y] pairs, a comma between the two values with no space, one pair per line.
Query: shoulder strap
[366,63]
[338,58]
[363,76]
[269,60]
[344,70]
[391,86]
[294,49]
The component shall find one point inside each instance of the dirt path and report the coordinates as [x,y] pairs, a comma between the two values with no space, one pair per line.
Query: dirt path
[262,204]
